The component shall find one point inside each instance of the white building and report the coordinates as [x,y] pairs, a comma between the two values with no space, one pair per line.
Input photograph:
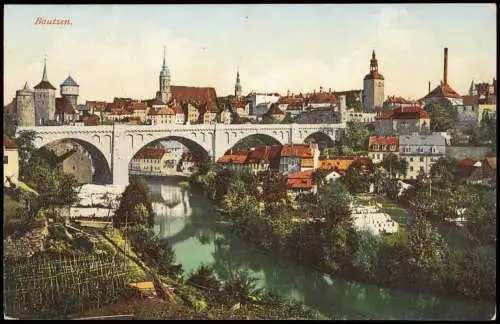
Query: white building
[260,102]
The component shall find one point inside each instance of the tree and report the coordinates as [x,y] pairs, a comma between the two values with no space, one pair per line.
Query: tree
[358,106]
[356,135]
[241,288]
[445,169]
[357,178]
[204,277]
[338,230]
[25,143]
[275,193]
[443,115]
[135,206]
[366,256]
[427,249]
[9,124]
[318,177]
[396,166]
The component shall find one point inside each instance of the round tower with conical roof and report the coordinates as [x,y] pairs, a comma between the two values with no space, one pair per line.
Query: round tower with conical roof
[25,106]
[45,99]
[70,90]
[373,86]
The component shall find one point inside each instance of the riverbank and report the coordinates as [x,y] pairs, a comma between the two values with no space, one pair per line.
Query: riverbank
[259,231]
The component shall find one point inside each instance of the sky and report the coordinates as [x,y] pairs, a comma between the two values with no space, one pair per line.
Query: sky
[117,50]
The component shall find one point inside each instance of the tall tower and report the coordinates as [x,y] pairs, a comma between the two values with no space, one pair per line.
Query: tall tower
[472,89]
[164,93]
[373,86]
[237,86]
[25,106]
[45,99]
[69,90]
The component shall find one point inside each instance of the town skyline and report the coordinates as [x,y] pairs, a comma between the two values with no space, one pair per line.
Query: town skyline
[298,57]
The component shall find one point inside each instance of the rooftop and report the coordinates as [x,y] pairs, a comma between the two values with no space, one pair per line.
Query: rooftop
[69,82]
[152,153]
[64,106]
[9,143]
[300,150]
[383,140]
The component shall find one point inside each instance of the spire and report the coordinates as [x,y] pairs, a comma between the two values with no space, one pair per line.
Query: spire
[373,63]
[164,55]
[26,86]
[44,77]
[237,86]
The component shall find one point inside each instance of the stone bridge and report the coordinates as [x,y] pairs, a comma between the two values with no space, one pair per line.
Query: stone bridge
[113,146]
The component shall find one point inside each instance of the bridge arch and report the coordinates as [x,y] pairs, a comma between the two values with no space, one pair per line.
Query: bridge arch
[101,169]
[322,139]
[231,139]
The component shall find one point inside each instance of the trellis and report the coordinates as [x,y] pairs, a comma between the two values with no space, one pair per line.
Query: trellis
[63,284]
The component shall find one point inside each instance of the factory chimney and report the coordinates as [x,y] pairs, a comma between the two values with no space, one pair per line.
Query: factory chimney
[429,87]
[445,70]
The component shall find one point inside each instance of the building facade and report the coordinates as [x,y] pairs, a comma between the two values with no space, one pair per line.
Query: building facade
[152,161]
[260,102]
[10,160]
[403,121]
[421,152]
[381,146]
[299,157]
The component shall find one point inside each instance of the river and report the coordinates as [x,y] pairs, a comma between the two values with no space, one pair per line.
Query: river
[186,219]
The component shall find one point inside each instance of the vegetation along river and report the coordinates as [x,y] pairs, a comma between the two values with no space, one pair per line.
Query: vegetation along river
[187,221]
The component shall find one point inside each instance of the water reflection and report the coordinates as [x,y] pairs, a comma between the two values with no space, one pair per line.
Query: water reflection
[197,239]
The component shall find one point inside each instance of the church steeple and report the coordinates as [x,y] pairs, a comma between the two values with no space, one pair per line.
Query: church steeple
[237,86]
[472,89]
[373,63]
[164,93]
[44,76]
[164,62]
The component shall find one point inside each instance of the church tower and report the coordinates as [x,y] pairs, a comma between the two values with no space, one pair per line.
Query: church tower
[45,99]
[472,89]
[69,90]
[237,86]
[25,106]
[164,94]
[373,86]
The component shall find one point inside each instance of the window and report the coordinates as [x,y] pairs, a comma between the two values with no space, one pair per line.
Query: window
[433,149]
[411,168]
[421,159]
[411,159]
[422,169]
[5,159]
[472,108]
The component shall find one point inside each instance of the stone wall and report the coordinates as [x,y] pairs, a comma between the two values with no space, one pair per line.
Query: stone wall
[471,152]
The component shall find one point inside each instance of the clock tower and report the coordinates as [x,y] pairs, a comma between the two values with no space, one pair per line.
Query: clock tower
[373,87]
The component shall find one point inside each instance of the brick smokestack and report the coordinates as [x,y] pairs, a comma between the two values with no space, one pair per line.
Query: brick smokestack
[445,70]
[429,87]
